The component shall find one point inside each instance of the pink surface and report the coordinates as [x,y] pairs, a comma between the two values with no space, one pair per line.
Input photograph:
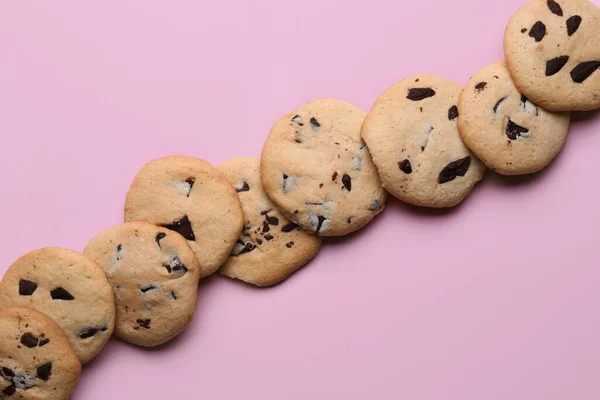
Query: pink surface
[497,299]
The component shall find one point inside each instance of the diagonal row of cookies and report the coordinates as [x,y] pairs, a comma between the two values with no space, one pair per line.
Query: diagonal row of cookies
[325,170]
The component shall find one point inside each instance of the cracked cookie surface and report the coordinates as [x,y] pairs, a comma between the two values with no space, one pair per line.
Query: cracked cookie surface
[191,197]
[509,133]
[154,274]
[271,247]
[318,171]
[552,49]
[69,288]
[413,136]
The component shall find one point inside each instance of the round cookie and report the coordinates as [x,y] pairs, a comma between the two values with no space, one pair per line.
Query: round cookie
[36,359]
[154,273]
[270,247]
[191,197]
[69,288]
[506,131]
[552,49]
[413,136]
[318,171]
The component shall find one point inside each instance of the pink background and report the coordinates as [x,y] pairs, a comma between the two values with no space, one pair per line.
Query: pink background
[498,299]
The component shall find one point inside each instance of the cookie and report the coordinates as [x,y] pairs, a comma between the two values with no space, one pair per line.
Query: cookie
[413,136]
[36,359]
[69,288]
[318,171]
[191,197]
[271,247]
[154,274]
[506,131]
[552,49]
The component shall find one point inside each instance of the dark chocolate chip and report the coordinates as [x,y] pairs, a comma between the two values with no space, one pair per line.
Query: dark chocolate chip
[259,240]
[334,176]
[455,169]
[320,219]
[453,113]
[573,24]
[119,248]
[480,86]
[265,228]
[176,266]
[524,107]
[268,236]
[289,245]
[61,293]
[159,237]
[498,104]
[273,220]
[315,125]
[147,288]
[405,166]
[523,30]
[515,131]
[248,247]
[9,390]
[375,205]
[183,227]
[92,331]
[555,65]
[44,371]
[265,212]
[347,181]
[26,288]
[349,220]
[289,227]
[28,340]
[144,323]
[583,70]
[295,211]
[417,94]
[44,342]
[7,372]
[173,296]
[297,120]
[538,31]
[243,187]
[240,241]
[190,181]
[555,8]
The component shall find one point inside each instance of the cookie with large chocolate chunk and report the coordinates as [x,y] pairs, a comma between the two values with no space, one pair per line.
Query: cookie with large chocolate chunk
[552,49]
[413,136]
[191,197]
[508,132]
[69,288]
[36,359]
[154,274]
[319,172]
[271,247]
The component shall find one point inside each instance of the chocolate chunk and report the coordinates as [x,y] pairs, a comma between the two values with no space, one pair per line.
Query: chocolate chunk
[347,181]
[176,266]
[480,86]
[289,227]
[44,342]
[583,70]
[183,227]
[61,294]
[173,296]
[7,372]
[453,113]
[190,182]
[405,166]
[144,323]
[334,176]
[28,340]
[375,205]
[273,220]
[515,131]
[9,390]
[44,371]
[248,247]
[93,331]
[315,125]
[268,236]
[289,245]
[243,187]
[321,219]
[527,106]
[265,228]
[27,288]
[538,31]
[417,94]
[265,212]
[555,8]
[297,120]
[349,220]
[159,237]
[455,169]
[573,24]
[523,30]
[498,104]
[147,288]
[259,240]
[555,65]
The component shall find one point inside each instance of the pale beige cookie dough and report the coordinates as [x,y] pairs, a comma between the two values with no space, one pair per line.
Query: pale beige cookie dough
[413,137]
[37,362]
[552,49]
[509,133]
[191,197]
[318,171]
[69,288]
[154,274]
[271,247]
